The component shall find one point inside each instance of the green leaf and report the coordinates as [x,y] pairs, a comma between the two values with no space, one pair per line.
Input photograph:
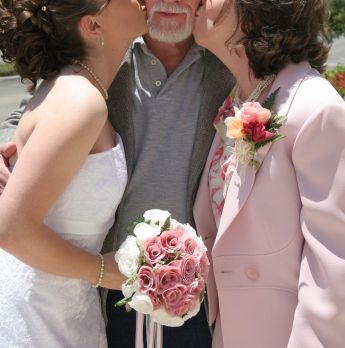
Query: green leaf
[275,122]
[123,302]
[277,137]
[271,140]
[261,144]
[269,101]
[131,227]
[166,225]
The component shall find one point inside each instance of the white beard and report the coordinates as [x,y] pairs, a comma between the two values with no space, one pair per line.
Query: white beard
[169,30]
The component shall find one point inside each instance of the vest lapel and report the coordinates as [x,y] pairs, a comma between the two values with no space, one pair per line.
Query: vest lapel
[120,109]
[121,118]
[217,84]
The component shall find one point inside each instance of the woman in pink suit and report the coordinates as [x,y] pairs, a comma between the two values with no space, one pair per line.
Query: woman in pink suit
[271,202]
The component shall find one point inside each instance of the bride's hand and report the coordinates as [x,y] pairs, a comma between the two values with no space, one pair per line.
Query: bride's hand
[112,278]
[6,151]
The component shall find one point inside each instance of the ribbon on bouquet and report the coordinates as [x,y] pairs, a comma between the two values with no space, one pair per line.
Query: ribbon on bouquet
[154,332]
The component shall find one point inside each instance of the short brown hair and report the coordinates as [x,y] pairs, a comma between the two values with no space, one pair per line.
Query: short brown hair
[280,31]
[41,36]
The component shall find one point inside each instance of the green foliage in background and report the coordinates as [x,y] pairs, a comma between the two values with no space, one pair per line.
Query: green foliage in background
[336,21]
[6,69]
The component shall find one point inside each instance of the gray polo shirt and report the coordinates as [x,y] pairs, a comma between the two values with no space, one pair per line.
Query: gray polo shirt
[165,113]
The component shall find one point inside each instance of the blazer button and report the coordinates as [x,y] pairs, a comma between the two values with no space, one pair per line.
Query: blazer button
[252,273]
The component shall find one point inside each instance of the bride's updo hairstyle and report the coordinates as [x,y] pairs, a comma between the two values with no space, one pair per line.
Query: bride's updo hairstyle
[41,37]
[281,31]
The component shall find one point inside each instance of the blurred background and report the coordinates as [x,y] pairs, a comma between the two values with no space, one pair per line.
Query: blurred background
[12,90]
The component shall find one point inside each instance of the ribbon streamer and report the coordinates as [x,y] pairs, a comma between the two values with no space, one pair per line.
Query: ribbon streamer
[154,332]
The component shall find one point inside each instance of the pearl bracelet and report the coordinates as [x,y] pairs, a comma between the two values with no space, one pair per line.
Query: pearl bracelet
[101,272]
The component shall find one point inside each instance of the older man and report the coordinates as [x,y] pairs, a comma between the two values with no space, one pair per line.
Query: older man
[162,102]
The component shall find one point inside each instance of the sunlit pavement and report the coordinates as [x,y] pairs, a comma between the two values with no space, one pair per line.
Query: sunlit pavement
[337,53]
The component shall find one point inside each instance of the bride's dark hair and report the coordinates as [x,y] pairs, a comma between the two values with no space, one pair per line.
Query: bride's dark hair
[40,37]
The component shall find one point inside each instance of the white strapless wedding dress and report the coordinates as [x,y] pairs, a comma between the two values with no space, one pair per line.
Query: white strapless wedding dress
[40,310]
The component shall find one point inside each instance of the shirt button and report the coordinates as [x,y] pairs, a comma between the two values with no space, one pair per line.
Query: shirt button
[252,273]
[153,62]
[158,83]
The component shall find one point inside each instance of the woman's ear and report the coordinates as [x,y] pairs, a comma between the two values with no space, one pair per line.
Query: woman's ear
[89,27]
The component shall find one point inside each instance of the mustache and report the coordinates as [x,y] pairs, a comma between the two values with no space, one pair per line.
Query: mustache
[169,8]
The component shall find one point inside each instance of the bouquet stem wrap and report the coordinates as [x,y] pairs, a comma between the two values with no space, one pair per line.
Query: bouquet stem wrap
[154,332]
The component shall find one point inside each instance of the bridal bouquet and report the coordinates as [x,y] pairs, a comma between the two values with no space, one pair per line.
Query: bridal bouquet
[166,266]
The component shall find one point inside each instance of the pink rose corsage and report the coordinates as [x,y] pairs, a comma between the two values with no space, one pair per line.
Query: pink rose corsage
[250,127]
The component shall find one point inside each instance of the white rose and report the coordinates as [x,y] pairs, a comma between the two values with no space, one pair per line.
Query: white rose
[129,246]
[174,223]
[141,303]
[144,231]
[161,316]
[192,234]
[129,289]
[201,245]
[128,264]
[193,312]
[191,231]
[156,216]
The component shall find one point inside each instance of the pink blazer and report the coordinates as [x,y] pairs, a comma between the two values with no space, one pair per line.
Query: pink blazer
[278,257]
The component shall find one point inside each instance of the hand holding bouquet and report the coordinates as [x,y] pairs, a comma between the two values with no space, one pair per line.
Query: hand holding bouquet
[166,265]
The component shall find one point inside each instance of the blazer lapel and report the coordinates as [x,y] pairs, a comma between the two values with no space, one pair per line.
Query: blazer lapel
[239,189]
[243,179]
[218,82]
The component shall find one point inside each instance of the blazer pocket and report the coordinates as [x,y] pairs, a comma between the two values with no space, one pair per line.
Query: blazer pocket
[263,271]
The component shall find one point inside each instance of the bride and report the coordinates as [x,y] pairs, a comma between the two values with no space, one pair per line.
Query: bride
[70,173]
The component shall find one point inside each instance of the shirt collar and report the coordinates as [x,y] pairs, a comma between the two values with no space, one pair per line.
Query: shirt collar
[140,42]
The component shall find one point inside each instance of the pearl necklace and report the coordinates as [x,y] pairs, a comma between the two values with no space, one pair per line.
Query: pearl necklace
[103,90]
[256,92]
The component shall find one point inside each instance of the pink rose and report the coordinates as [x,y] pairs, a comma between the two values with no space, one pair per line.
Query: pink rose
[188,269]
[256,131]
[187,303]
[155,299]
[175,263]
[146,279]
[168,277]
[174,297]
[172,240]
[153,250]
[253,111]
[191,247]
[204,266]
[196,288]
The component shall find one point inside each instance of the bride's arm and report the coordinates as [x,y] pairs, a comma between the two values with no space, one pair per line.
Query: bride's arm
[54,152]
